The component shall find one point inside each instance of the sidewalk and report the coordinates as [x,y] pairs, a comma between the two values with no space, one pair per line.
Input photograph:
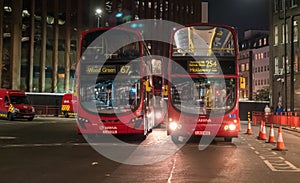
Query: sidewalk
[295,129]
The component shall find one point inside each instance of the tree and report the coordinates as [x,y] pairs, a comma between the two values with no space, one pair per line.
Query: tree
[262,94]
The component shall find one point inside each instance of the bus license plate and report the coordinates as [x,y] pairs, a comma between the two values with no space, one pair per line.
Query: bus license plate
[202,132]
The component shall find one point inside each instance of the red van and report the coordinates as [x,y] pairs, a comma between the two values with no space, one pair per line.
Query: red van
[14,104]
[67,108]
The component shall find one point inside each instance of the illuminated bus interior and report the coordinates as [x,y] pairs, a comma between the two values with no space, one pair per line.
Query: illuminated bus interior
[203,95]
[111,68]
[203,41]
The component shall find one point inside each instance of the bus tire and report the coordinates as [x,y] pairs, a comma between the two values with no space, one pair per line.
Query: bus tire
[10,117]
[30,119]
[228,139]
[141,137]
[66,114]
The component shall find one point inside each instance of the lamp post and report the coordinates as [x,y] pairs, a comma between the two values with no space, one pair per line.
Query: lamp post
[99,15]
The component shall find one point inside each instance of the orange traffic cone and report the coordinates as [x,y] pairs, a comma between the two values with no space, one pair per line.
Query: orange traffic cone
[262,132]
[271,135]
[280,143]
[249,131]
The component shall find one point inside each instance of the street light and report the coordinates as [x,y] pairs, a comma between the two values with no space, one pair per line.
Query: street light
[99,15]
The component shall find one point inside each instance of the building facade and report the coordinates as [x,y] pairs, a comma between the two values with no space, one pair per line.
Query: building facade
[254,64]
[39,40]
[284,54]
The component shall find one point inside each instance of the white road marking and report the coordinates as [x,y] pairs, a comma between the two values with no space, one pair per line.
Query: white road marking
[271,159]
[261,157]
[7,138]
[289,167]
[172,170]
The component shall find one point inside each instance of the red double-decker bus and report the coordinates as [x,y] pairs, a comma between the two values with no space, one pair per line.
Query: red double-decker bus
[203,82]
[113,83]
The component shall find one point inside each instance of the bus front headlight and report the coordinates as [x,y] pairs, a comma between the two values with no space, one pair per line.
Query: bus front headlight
[232,127]
[173,126]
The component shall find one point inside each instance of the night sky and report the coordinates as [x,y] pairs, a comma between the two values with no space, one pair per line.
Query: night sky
[241,14]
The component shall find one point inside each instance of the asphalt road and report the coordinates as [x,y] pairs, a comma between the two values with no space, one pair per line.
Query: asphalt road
[50,150]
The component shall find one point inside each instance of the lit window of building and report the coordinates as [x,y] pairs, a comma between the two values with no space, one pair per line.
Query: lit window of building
[247,66]
[295,31]
[242,67]
[275,6]
[286,38]
[260,42]
[293,3]
[276,64]
[275,35]
[296,63]
[265,41]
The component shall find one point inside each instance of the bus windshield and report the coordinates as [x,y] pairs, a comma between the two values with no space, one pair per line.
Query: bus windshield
[203,95]
[110,65]
[203,41]
[110,96]
[112,44]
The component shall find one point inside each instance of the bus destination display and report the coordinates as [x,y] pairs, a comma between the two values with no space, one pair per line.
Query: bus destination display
[205,66]
[108,69]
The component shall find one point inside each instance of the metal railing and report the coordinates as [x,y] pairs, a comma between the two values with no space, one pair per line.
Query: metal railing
[290,119]
[47,110]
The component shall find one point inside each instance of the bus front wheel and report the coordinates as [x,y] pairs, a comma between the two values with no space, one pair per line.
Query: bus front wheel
[66,114]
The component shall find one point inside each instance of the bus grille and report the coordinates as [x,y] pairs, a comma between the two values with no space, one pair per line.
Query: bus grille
[110,121]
